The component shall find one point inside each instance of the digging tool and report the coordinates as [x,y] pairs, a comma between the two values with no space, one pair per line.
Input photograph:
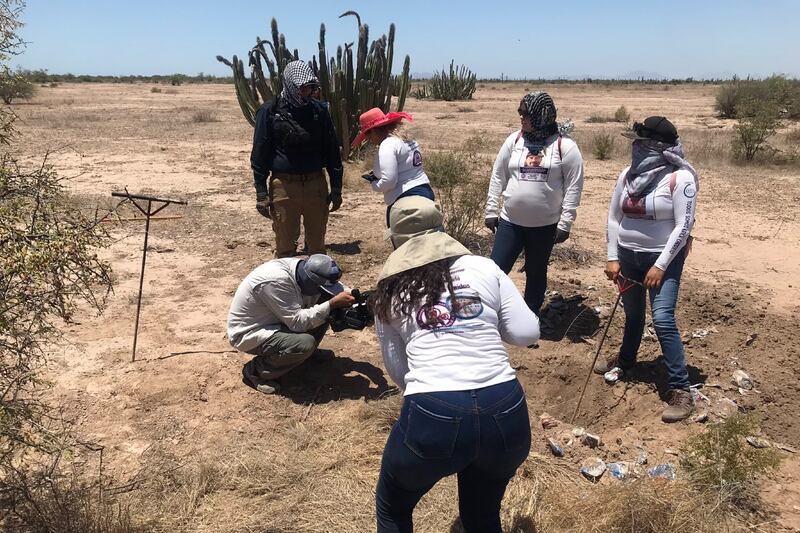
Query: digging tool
[148,213]
[623,285]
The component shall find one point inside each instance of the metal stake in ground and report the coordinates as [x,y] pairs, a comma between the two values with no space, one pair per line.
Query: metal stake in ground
[161,203]
[623,284]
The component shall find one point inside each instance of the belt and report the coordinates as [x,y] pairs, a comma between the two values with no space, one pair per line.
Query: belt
[308,176]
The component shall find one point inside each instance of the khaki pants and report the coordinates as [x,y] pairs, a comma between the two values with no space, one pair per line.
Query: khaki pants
[294,196]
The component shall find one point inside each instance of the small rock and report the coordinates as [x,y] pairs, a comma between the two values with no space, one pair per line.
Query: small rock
[757,442]
[203,396]
[593,469]
[670,451]
[750,339]
[547,421]
[262,244]
[617,470]
[742,380]
[701,417]
[555,448]
[663,471]
[590,440]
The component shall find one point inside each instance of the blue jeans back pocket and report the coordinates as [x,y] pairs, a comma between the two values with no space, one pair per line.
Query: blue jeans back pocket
[515,426]
[430,435]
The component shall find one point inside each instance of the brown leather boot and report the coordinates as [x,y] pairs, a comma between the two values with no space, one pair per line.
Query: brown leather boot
[680,406]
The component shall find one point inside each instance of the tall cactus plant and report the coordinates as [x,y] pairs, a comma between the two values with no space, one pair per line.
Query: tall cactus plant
[349,84]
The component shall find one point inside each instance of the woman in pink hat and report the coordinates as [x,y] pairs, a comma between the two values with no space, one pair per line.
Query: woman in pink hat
[397,171]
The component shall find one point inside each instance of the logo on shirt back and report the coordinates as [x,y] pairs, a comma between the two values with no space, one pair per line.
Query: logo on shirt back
[417,159]
[442,315]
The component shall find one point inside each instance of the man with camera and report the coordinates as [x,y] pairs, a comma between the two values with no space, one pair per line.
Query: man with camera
[280,313]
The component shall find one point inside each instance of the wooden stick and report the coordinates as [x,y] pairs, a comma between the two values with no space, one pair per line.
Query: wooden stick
[308,410]
[596,354]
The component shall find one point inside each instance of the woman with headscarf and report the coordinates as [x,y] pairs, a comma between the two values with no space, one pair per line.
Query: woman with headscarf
[539,174]
[397,170]
[649,224]
[442,316]
[293,141]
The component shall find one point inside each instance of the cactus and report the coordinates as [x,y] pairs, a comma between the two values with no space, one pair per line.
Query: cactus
[459,84]
[349,86]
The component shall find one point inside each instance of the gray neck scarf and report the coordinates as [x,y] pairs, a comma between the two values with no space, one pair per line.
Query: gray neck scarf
[651,160]
[295,75]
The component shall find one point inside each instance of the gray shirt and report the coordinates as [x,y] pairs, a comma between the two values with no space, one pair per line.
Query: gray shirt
[268,299]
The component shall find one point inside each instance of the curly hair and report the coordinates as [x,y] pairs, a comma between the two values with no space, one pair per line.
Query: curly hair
[403,293]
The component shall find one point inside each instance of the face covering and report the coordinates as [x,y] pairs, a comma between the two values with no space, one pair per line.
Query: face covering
[295,75]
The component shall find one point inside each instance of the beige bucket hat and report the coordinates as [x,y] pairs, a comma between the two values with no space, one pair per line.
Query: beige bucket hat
[417,232]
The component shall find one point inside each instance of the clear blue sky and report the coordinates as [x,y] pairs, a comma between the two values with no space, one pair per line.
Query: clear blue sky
[521,39]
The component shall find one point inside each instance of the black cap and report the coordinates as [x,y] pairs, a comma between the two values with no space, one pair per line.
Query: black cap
[653,128]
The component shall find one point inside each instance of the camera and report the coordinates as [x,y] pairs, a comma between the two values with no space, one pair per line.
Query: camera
[358,316]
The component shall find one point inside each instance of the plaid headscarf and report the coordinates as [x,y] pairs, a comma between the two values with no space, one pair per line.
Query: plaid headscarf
[295,75]
[541,111]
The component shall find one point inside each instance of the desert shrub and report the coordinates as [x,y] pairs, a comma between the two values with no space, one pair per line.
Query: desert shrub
[204,115]
[54,501]
[155,89]
[720,459]
[47,265]
[622,115]
[757,123]
[459,84]
[603,146]
[465,109]
[597,118]
[14,86]
[783,93]
[460,181]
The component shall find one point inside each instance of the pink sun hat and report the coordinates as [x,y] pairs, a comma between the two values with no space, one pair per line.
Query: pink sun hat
[375,118]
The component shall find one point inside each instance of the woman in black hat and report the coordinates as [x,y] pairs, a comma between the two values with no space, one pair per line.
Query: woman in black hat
[649,224]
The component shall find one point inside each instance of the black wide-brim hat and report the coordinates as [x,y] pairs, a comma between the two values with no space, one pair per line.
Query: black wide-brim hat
[653,129]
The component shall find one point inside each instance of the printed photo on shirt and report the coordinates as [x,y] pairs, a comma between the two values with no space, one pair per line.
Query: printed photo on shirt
[533,169]
[441,314]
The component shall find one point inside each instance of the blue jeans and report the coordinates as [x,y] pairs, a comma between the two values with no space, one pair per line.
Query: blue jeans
[481,435]
[510,240]
[420,190]
[634,265]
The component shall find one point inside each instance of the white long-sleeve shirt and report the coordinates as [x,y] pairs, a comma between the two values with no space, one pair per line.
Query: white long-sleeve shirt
[537,189]
[269,298]
[661,221]
[398,167]
[465,351]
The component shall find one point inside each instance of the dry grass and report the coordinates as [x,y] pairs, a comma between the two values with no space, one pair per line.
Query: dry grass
[204,115]
[319,475]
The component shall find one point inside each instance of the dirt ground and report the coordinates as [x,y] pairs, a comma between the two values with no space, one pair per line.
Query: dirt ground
[737,310]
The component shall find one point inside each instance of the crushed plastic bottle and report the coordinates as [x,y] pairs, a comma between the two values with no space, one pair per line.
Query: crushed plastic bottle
[555,447]
[617,470]
[663,471]
[742,380]
[613,375]
[757,442]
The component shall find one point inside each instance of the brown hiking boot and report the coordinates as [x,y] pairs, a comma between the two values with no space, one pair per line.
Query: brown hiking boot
[604,365]
[680,406]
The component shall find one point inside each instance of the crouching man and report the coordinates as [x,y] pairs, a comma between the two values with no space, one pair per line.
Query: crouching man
[275,315]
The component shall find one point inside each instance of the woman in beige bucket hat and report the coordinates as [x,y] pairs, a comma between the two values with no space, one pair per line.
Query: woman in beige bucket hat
[442,315]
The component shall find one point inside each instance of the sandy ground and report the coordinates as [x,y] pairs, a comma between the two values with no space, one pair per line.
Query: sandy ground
[742,282]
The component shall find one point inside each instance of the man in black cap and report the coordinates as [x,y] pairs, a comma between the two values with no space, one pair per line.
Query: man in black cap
[275,315]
